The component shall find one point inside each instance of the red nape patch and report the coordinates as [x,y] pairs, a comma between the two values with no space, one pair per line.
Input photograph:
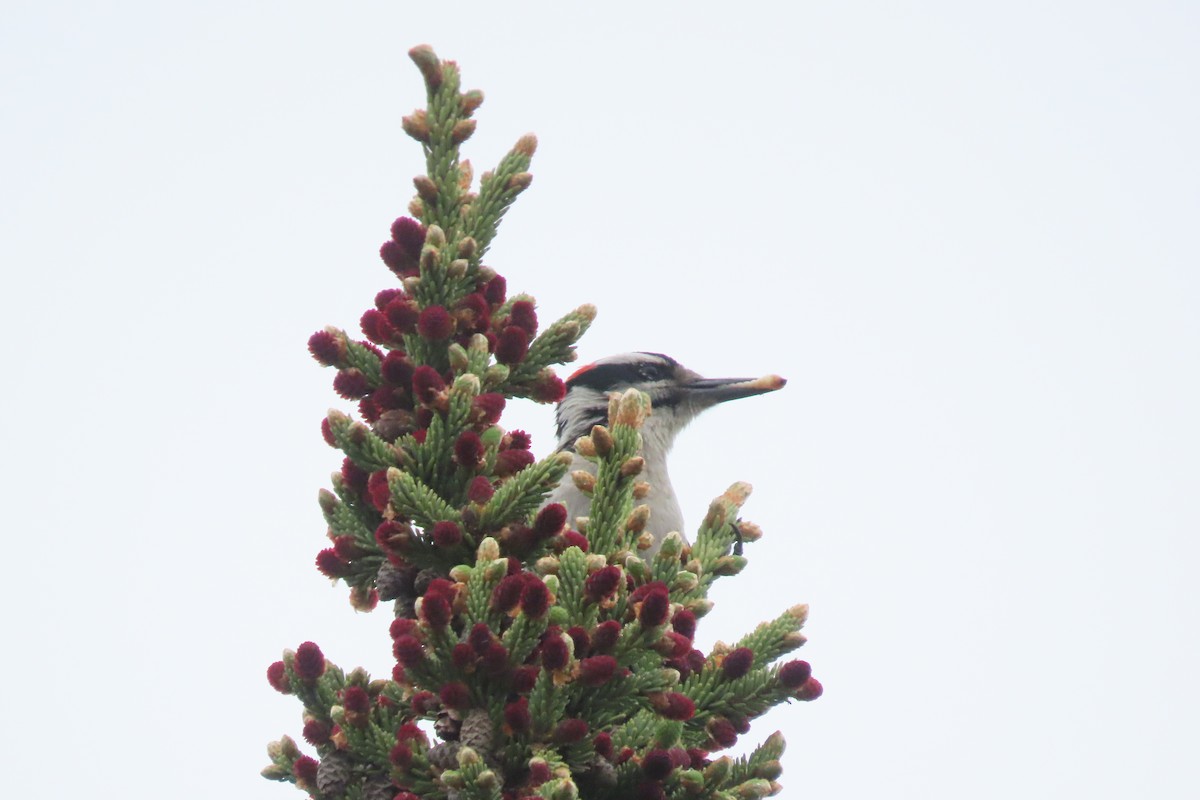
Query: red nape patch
[580,371]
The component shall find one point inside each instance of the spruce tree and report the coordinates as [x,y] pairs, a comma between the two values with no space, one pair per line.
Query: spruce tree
[545,657]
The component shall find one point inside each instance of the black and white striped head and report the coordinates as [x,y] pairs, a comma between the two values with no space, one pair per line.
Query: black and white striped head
[677,394]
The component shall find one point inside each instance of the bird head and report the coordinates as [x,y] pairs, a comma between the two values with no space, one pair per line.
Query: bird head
[677,395]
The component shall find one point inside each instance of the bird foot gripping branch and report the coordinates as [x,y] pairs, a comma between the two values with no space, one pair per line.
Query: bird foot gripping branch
[546,660]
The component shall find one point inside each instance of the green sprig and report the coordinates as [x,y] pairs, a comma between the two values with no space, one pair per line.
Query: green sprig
[518,496]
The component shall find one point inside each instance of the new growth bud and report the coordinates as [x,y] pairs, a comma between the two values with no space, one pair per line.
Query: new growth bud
[749,531]
[799,613]
[416,125]
[636,523]
[427,61]
[602,439]
[526,145]
[471,100]
[489,550]
[520,182]
[584,481]
[427,190]
[633,466]
[632,409]
[462,131]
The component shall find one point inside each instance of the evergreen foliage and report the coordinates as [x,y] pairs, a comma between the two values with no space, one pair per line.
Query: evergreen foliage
[551,662]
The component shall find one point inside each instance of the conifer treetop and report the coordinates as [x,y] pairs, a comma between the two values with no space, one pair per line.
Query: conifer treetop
[532,659]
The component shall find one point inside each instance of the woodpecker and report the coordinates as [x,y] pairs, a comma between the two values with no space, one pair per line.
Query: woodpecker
[677,396]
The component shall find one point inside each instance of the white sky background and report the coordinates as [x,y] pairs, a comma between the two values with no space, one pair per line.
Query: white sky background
[966,232]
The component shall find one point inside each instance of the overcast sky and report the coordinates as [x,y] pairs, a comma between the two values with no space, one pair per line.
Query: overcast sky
[967,234]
